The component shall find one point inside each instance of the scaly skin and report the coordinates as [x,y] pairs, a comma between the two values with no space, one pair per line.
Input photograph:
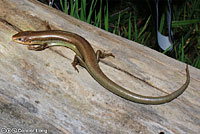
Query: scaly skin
[86,57]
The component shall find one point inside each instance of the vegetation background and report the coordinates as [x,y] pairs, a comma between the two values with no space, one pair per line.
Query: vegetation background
[135,20]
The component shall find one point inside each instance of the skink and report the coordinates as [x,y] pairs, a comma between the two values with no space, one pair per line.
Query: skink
[86,57]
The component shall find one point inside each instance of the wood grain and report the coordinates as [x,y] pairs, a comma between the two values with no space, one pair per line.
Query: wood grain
[40,91]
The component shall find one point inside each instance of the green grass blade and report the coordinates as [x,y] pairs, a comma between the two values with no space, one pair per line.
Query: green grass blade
[166,50]
[162,22]
[129,27]
[76,9]
[145,26]
[92,7]
[106,16]
[197,62]
[66,7]
[182,50]
[135,26]
[184,22]
[116,31]
[72,8]
[99,16]
[83,10]
[61,4]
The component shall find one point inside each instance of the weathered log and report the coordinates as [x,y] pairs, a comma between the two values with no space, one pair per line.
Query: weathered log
[41,91]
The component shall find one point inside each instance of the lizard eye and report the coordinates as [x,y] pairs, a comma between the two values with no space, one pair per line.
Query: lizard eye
[20,39]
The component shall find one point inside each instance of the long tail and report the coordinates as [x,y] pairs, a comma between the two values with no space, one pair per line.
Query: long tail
[102,79]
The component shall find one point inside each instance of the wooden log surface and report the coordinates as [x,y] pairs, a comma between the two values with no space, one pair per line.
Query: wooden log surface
[41,91]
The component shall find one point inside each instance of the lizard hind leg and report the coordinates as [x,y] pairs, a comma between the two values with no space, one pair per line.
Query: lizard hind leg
[78,61]
[102,55]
